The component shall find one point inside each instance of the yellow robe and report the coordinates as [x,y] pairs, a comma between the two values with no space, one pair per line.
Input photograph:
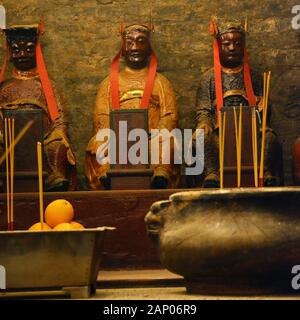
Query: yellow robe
[162,114]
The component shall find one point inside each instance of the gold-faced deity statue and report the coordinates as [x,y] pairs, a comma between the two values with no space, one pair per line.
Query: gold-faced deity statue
[137,86]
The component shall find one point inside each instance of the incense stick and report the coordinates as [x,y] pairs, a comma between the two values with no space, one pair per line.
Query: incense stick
[11,126]
[220,149]
[264,92]
[7,173]
[236,141]
[254,146]
[40,172]
[13,173]
[223,146]
[252,132]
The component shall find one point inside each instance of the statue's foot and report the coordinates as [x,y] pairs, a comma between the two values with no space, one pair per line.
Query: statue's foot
[106,182]
[269,180]
[159,182]
[58,185]
[211,181]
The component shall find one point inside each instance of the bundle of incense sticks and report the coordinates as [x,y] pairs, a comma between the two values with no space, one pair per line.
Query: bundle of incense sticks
[222,131]
[267,79]
[40,172]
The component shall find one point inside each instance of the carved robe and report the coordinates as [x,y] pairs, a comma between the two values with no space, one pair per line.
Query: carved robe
[162,114]
[234,94]
[24,91]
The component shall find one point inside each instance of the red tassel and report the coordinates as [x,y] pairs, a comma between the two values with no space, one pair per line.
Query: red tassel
[114,82]
[218,76]
[46,84]
[248,81]
[4,65]
[213,27]
[149,82]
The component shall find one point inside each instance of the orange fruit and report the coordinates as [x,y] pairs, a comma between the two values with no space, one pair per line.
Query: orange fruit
[77,225]
[64,226]
[38,227]
[59,211]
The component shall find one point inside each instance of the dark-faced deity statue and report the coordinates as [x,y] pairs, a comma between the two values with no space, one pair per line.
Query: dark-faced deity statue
[232,85]
[30,89]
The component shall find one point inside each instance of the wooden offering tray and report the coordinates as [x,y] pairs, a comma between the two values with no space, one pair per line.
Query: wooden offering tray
[39,260]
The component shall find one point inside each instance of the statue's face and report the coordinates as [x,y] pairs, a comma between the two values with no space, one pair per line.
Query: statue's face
[23,54]
[231,48]
[136,49]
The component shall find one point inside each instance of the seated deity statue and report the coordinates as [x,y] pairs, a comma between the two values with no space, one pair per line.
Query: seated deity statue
[136,86]
[29,88]
[231,83]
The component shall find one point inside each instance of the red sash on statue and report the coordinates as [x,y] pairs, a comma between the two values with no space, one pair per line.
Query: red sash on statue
[46,83]
[114,82]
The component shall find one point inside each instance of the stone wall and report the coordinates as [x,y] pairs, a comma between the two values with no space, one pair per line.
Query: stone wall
[81,40]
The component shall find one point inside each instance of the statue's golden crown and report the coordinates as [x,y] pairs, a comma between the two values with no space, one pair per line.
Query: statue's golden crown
[143,27]
[222,26]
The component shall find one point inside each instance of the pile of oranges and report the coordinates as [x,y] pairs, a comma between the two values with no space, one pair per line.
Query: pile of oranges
[59,215]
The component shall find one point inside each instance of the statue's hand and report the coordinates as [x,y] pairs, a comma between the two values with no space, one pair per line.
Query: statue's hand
[71,157]
[1,138]
[206,127]
[59,135]
[159,182]
[70,153]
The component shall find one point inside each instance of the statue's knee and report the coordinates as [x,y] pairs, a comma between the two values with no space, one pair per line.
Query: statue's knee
[271,137]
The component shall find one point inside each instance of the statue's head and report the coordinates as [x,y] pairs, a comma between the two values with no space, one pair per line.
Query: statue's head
[231,38]
[232,48]
[22,42]
[136,46]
